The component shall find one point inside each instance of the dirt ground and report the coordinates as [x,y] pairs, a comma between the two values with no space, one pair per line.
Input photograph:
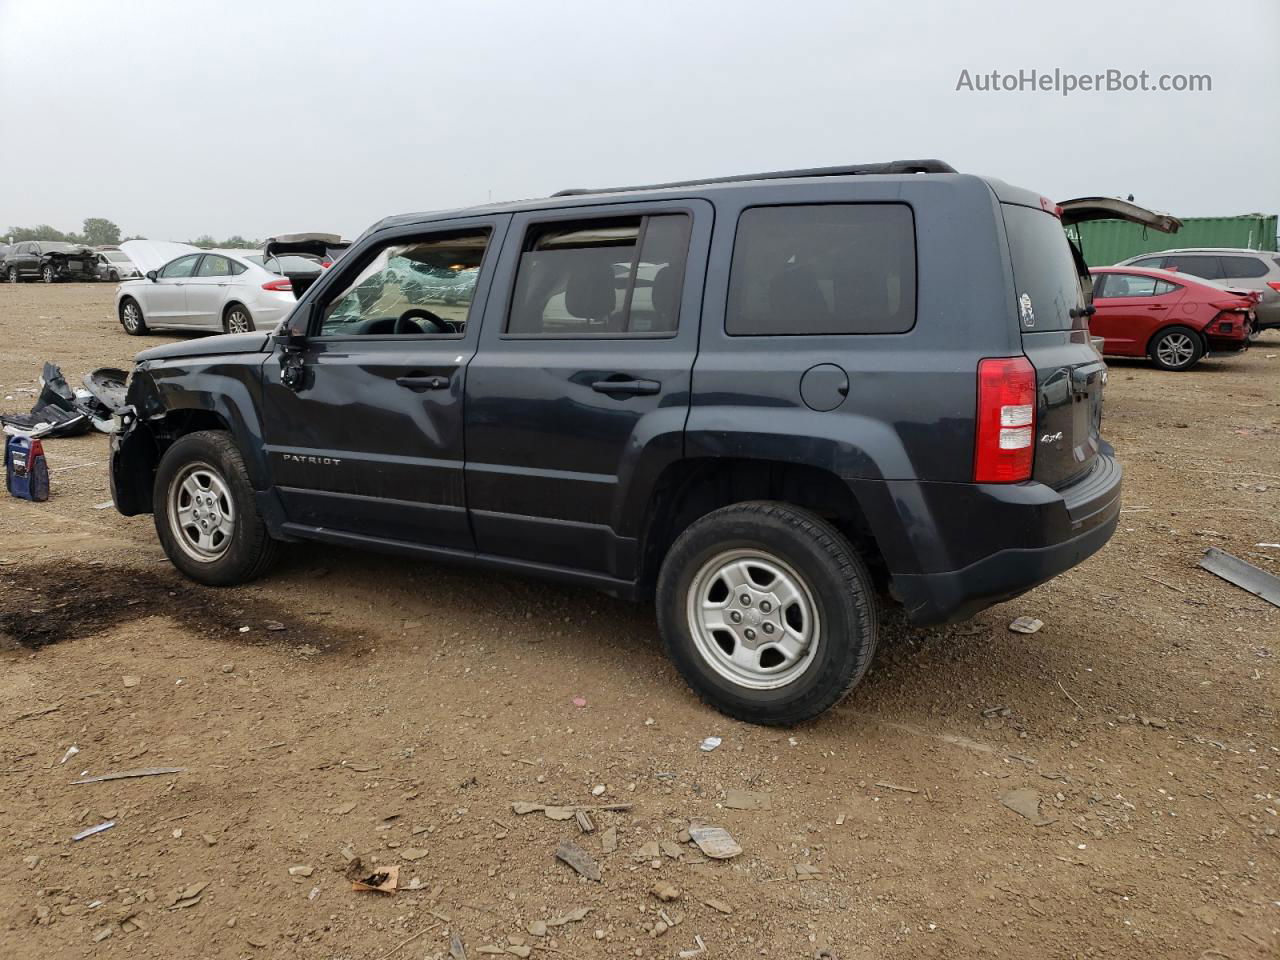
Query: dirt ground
[352,705]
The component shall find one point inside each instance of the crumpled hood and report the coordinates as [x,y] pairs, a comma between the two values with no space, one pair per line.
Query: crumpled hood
[154,254]
[221,345]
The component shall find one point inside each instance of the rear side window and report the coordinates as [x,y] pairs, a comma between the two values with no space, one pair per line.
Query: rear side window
[1197,265]
[820,269]
[1044,271]
[620,276]
[1242,267]
[1151,263]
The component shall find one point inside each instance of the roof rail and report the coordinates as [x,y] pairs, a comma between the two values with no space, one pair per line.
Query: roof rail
[892,166]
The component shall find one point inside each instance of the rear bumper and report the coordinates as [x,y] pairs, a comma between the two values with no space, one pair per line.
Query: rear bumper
[1011,539]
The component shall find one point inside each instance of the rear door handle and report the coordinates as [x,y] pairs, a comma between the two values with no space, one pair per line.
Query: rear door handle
[423,383]
[635,388]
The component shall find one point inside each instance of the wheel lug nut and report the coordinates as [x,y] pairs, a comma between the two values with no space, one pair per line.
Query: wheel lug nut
[745,599]
[766,606]
[735,616]
[767,628]
[749,633]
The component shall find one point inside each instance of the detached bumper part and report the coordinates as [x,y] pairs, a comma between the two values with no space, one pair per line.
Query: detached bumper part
[1084,517]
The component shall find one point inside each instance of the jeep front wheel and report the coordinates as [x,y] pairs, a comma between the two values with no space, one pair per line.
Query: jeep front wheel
[206,514]
[767,611]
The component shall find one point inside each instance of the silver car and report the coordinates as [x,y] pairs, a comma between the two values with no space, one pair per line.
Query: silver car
[115,265]
[185,288]
[1229,266]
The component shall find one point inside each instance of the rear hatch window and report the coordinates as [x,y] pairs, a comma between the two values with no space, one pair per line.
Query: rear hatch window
[1049,305]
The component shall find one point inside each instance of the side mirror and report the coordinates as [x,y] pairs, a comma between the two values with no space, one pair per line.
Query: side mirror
[151,275]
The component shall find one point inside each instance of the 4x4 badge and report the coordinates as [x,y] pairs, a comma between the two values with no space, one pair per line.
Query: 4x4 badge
[1026,310]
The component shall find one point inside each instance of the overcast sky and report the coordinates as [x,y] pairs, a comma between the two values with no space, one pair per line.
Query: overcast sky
[176,118]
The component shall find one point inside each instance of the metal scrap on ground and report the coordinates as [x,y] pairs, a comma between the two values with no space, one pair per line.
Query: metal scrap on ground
[1243,574]
[128,774]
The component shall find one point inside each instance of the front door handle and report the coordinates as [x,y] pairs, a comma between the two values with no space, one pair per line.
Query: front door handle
[417,383]
[1156,306]
[635,388]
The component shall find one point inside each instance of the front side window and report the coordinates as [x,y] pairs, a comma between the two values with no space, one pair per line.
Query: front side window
[214,265]
[182,267]
[411,288]
[840,268]
[619,277]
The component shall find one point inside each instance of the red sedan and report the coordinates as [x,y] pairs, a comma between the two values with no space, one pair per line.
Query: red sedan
[1173,318]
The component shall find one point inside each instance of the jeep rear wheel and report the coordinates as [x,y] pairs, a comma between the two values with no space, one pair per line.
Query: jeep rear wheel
[767,611]
[206,514]
[13,275]
[47,274]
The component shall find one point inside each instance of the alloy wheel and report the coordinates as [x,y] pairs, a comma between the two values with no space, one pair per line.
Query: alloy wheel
[1176,350]
[753,619]
[238,321]
[202,514]
[131,316]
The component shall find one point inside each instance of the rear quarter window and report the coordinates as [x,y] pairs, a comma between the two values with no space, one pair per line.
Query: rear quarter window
[1045,278]
[821,269]
[1243,267]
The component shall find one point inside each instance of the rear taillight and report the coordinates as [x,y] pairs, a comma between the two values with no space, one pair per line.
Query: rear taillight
[1274,285]
[326,263]
[1006,420]
[284,283]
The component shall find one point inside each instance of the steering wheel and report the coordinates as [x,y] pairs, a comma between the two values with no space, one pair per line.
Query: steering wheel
[403,321]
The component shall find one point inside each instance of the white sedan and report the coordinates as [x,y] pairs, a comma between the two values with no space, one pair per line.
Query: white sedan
[185,288]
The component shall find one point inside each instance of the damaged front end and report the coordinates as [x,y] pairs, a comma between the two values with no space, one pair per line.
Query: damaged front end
[75,263]
[135,449]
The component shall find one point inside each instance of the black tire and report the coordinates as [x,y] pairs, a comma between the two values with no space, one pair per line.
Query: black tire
[47,274]
[830,570]
[131,318]
[249,548]
[13,275]
[113,276]
[1168,349]
[235,316]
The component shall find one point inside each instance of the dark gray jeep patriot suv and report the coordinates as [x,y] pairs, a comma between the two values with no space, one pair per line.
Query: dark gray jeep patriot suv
[770,402]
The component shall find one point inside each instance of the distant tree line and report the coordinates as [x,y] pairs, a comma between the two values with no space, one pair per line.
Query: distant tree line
[98,232]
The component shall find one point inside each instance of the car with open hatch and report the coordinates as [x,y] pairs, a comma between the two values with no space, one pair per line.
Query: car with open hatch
[771,404]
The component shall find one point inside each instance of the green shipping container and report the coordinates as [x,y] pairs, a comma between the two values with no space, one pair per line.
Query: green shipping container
[1104,242]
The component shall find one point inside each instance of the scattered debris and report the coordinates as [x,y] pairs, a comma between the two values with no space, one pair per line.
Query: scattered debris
[666,892]
[1026,803]
[598,790]
[573,916]
[275,626]
[92,830]
[301,871]
[456,948]
[131,681]
[579,701]
[671,850]
[537,928]
[382,879]
[701,948]
[188,896]
[609,840]
[715,842]
[572,854]
[1026,625]
[747,800]
[893,786]
[719,906]
[71,752]
[128,774]
[1000,711]
[585,823]
[709,744]
[413,853]
[806,871]
[1242,574]
[521,807]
